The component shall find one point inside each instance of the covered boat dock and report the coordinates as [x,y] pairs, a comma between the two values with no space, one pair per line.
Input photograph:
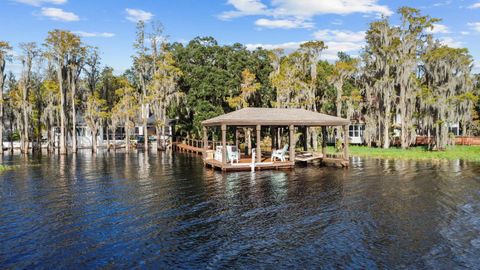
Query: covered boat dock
[273,118]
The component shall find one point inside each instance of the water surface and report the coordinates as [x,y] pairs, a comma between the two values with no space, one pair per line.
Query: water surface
[166,211]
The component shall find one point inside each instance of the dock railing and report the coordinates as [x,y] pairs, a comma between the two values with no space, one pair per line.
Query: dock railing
[196,145]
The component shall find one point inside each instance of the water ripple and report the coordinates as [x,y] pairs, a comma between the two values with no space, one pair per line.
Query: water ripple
[168,211]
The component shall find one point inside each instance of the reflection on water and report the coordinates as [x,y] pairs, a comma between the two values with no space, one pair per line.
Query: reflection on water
[163,210]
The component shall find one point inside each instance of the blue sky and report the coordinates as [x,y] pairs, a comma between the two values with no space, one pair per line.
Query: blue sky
[110,24]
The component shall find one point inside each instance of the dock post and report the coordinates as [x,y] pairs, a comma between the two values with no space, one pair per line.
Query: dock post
[291,131]
[224,145]
[252,164]
[324,141]
[259,139]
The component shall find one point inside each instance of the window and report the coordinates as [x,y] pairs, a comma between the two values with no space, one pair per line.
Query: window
[355,130]
[351,130]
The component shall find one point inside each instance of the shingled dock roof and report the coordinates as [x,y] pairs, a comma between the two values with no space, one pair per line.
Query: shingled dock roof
[275,117]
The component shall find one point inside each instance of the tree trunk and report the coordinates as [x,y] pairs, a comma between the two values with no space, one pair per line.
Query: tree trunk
[1,118]
[74,114]
[25,139]
[145,135]
[305,138]
[429,140]
[2,82]
[338,100]
[159,135]
[94,140]
[11,132]
[108,139]
[386,124]
[114,140]
[127,139]
[444,136]
[314,139]
[403,115]
[164,141]
[62,141]
[324,141]
[51,138]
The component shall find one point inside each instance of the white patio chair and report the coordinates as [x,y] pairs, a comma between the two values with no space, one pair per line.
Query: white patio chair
[218,153]
[280,154]
[233,154]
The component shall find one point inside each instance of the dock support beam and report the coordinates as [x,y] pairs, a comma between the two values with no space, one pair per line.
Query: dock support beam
[224,144]
[345,142]
[291,131]
[324,141]
[258,139]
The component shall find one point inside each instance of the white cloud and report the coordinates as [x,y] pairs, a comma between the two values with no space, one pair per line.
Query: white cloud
[336,41]
[59,14]
[475,26]
[135,15]
[337,22]
[444,3]
[303,9]
[476,5]
[309,8]
[94,34]
[329,54]
[38,3]
[476,66]
[334,48]
[286,46]
[285,24]
[340,35]
[438,29]
[465,33]
[450,42]
[244,8]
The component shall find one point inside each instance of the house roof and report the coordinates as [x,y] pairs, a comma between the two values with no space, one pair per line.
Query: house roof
[275,117]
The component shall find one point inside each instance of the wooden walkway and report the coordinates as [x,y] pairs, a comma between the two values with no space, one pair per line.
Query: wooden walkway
[182,147]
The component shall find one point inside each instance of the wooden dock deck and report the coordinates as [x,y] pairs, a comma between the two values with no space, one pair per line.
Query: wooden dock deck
[182,147]
[245,164]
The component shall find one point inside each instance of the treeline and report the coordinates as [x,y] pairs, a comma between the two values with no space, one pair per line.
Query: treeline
[402,74]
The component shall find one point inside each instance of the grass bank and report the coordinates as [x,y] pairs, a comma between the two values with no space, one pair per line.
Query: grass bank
[470,153]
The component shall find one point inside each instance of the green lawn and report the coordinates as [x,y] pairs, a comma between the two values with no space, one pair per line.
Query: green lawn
[470,153]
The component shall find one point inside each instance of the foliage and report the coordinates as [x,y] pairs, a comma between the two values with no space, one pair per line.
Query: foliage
[402,73]
[248,88]
[211,75]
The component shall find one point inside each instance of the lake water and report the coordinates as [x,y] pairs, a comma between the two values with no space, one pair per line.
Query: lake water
[168,211]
